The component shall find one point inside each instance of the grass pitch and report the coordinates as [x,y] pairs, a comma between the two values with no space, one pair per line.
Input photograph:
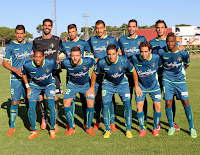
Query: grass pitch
[82,143]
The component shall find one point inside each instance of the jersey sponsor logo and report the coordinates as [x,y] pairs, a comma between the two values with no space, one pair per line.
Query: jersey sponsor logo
[116,75]
[77,75]
[146,73]
[43,77]
[97,49]
[172,64]
[52,45]
[153,64]
[21,56]
[50,51]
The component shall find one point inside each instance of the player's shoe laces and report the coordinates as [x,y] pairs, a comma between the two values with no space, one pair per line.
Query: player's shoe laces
[171,131]
[33,134]
[145,124]
[176,127]
[52,134]
[84,126]
[43,124]
[97,126]
[159,126]
[107,134]
[142,132]
[193,133]
[10,132]
[155,132]
[90,132]
[113,127]
[56,128]
[70,132]
[129,134]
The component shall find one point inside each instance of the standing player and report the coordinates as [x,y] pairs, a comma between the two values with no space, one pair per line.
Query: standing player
[146,65]
[158,43]
[115,81]
[78,70]
[50,45]
[19,52]
[174,81]
[74,41]
[40,70]
[98,45]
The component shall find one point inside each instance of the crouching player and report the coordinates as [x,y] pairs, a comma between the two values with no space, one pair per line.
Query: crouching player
[146,65]
[115,81]
[40,71]
[174,81]
[78,69]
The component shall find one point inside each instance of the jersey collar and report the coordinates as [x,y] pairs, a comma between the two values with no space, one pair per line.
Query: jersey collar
[19,43]
[147,60]
[132,38]
[75,40]
[102,38]
[160,40]
[36,66]
[74,64]
[109,61]
[169,51]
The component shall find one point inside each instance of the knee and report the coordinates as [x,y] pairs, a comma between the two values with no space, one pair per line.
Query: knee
[106,105]
[185,103]
[15,102]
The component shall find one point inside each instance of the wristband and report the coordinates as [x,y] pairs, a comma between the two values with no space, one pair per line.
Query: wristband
[27,85]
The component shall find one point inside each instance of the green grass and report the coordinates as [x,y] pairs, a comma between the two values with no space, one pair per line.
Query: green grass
[81,143]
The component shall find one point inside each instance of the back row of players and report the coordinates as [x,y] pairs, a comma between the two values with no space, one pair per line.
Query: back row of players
[112,74]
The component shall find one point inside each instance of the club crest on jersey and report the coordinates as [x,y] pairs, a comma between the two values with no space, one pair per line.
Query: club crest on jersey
[179,58]
[84,67]
[153,64]
[138,42]
[47,70]
[120,68]
[28,48]
[52,45]
[107,42]
[78,45]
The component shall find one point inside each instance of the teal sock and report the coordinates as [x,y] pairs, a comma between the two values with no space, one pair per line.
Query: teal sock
[32,114]
[72,107]
[140,117]
[188,112]
[90,115]
[112,113]
[52,114]
[156,118]
[106,115]
[69,116]
[169,114]
[128,114]
[13,114]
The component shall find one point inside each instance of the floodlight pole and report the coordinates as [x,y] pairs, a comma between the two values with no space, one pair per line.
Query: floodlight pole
[85,16]
[53,2]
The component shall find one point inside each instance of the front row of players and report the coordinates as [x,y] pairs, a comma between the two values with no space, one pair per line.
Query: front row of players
[144,70]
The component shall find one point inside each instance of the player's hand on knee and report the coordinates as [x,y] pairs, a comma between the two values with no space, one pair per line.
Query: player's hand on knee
[89,92]
[29,91]
[138,91]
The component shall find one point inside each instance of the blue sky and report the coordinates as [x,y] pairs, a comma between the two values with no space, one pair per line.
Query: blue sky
[31,13]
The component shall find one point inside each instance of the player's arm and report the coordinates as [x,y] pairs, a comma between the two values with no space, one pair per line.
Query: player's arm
[6,65]
[91,90]
[138,91]
[25,79]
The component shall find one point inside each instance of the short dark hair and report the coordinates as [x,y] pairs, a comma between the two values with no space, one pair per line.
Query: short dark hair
[132,20]
[145,44]
[71,26]
[48,20]
[100,22]
[171,34]
[20,27]
[38,51]
[111,47]
[75,48]
[161,21]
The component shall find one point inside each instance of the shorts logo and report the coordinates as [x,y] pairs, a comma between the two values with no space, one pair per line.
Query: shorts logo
[120,68]
[158,96]
[153,64]
[127,95]
[184,93]
[92,95]
[107,42]
[179,58]
[67,91]
[138,43]
[52,45]
[52,92]
[47,70]
[84,67]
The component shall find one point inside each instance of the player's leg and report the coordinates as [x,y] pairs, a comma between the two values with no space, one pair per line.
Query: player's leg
[42,110]
[145,107]
[112,114]
[84,109]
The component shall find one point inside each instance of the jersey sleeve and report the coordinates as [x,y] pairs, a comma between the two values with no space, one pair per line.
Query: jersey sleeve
[91,62]
[8,53]
[63,63]
[23,69]
[87,47]
[128,65]
[55,65]
[185,57]
[61,49]
[159,61]
[97,68]
[119,43]
[90,44]
[116,43]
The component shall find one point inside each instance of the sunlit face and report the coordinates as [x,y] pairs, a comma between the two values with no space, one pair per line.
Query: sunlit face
[76,57]
[47,27]
[160,29]
[100,29]
[171,42]
[38,58]
[72,33]
[112,55]
[145,53]
[20,34]
[132,27]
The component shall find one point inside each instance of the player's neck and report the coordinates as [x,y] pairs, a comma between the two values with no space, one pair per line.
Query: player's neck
[132,35]
[173,50]
[73,40]
[46,36]
[163,37]
[20,42]
[103,36]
